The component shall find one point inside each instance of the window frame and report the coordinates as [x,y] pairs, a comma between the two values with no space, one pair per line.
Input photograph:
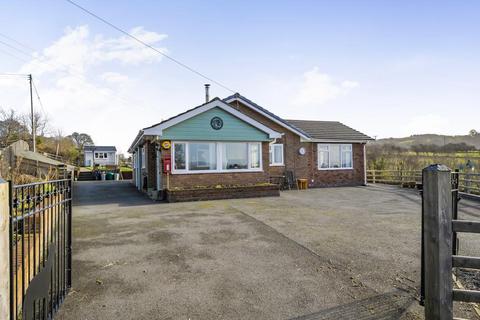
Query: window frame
[341,145]
[271,153]
[143,157]
[219,158]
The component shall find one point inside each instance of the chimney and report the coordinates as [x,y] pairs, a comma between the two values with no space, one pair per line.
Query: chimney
[207,95]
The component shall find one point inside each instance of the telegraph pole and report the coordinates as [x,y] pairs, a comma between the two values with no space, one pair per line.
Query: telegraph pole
[34,143]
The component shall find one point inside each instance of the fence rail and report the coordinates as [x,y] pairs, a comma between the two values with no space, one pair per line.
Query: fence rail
[469,183]
[40,248]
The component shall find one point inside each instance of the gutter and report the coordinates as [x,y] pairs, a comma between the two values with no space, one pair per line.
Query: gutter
[335,141]
[136,141]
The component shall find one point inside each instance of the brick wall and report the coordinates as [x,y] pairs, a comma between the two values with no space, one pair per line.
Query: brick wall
[149,172]
[151,157]
[344,177]
[304,166]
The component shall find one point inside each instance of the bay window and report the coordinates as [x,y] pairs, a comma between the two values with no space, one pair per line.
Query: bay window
[190,157]
[276,154]
[334,156]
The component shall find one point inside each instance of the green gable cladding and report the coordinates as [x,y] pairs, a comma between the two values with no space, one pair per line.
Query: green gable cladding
[199,128]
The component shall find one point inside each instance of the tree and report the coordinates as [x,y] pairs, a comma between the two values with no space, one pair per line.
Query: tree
[41,123]
[81,139]
[473,133]
[12,128]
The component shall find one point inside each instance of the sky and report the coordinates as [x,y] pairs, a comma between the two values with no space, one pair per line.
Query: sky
[386,68]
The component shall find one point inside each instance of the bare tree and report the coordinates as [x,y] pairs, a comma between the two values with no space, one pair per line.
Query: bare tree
[12,128]
[41,123]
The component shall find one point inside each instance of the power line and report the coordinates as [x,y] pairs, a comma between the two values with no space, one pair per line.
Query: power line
[30,55]
[128,103]
[38,97]
[12,55]
[17,42]
[15,48]
[149,46]
[14,74]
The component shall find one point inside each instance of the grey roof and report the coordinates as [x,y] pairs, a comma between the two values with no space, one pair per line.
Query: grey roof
[329,130]
[100,148]
[271,114]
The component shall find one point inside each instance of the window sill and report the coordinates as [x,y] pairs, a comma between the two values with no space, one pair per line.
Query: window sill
[277,165]
[331,169]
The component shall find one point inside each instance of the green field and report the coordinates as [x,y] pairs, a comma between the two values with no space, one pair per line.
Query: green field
[410,160]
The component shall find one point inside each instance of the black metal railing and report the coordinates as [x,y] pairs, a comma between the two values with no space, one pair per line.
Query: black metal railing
[40,248]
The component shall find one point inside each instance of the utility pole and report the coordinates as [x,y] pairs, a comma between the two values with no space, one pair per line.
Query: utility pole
[34,143]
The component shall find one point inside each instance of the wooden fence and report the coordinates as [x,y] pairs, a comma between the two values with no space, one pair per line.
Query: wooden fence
[440,225]
[469,183]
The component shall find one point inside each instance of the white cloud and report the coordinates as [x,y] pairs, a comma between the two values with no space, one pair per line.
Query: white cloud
[349,84]
[317,88]
[76,51]
[127,50]
[85,87]
[114,77]
[426,123]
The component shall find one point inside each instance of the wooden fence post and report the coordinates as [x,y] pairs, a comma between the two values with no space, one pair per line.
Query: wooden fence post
[373,175]
[4,250]
[467,182]
[437,208]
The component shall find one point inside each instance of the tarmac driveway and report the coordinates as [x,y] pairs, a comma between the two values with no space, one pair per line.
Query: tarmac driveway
[338,253]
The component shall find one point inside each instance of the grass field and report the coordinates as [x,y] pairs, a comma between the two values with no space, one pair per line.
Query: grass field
[410,160]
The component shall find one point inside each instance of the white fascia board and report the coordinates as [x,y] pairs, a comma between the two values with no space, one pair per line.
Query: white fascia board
[138,138]
[269,117]
[158,129]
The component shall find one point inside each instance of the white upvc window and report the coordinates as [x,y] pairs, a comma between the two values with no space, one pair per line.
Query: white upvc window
[205,157]
[276,154]
[334,156]
[101,155]
[142,153]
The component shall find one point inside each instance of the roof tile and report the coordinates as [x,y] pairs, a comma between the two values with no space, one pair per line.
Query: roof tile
[329,130]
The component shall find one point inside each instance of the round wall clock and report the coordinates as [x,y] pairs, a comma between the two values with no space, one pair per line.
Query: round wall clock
[216,123]
[301,151]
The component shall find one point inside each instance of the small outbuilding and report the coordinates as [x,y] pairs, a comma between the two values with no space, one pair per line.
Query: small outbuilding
[232,142]
[99,155]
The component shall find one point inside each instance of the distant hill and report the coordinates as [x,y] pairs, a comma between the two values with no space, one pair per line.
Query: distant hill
[435,139]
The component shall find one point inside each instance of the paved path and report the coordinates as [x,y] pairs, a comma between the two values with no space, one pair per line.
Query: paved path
[305,255]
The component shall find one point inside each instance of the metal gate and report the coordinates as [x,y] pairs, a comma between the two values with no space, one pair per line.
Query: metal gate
[40,248]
